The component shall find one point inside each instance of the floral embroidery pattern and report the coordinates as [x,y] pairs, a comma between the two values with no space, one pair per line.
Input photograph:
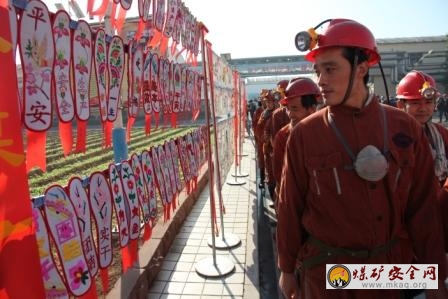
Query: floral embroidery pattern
[128,179]
[119,204]
[82,55]
[116,65]
[62,37]
[101,71]
[78,274]
[141,190]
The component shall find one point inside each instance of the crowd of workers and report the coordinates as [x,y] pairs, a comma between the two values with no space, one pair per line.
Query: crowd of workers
[353,180]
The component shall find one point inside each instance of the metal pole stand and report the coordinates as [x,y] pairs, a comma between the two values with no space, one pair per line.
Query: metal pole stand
[239,175]
[227,241]
[216,266]
[235,182]
[211,266]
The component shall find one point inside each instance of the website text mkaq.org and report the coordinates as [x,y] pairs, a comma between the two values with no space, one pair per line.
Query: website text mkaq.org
[394,285]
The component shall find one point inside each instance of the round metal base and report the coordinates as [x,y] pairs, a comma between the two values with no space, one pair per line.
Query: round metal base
[207,268]
[240,175]
[225,242]
[235,183]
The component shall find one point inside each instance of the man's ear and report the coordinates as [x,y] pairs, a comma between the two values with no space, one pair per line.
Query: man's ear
[363,69]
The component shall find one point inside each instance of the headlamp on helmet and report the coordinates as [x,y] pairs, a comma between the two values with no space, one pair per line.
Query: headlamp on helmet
[427,91]
[307,40]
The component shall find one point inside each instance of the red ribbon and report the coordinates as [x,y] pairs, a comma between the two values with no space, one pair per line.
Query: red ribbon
[104,273]
[129,125]
[66,137]
[107,133]
[35,154]
[81,136]
[100,11]
[147,124]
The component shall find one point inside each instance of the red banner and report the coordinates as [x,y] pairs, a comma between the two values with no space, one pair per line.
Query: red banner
[19,257]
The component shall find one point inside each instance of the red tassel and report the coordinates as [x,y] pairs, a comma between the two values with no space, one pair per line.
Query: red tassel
[174,204]
[91,293]
[104,273]
[168,211]
[126,259]
[147,232]
[195,60]
[90,6]
[129,125]
[147,124]
[134,250]
[100,11]
[173,49]
[188,187]
[129,255]
[195,114]
[81,136]
[119,20]
[173,120]
[165,214]
[155,40]
[163,45]
[107,133]
[195,183]
[140,28]
[66,137]
[35,153]
[157,117]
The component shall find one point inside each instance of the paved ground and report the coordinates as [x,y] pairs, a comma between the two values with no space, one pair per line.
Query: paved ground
[183,275]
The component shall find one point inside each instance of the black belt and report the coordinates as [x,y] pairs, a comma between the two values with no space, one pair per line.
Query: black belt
[329,251]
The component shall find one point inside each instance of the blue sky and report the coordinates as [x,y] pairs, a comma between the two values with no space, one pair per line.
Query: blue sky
[256,28]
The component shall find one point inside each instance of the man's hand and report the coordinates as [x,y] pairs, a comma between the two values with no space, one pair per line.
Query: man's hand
[289,286]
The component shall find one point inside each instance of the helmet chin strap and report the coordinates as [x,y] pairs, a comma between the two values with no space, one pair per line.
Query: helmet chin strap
[352,76]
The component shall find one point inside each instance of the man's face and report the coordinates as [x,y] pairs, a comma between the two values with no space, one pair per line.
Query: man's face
[296,111]
[333,74]
[421,109]
[269,104]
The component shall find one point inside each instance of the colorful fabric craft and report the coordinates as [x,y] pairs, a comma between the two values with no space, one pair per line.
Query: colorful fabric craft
[63,227]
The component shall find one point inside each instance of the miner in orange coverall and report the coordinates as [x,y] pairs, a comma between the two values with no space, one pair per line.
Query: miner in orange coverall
[417,95]
[364,190]
[280,117]
[265,124]
[258,135]
[301,98]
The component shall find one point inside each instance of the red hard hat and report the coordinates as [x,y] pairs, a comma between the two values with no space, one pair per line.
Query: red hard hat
[415,86]
[267,94]
[299,87]
[281,87]
[346,33]
[282,84]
